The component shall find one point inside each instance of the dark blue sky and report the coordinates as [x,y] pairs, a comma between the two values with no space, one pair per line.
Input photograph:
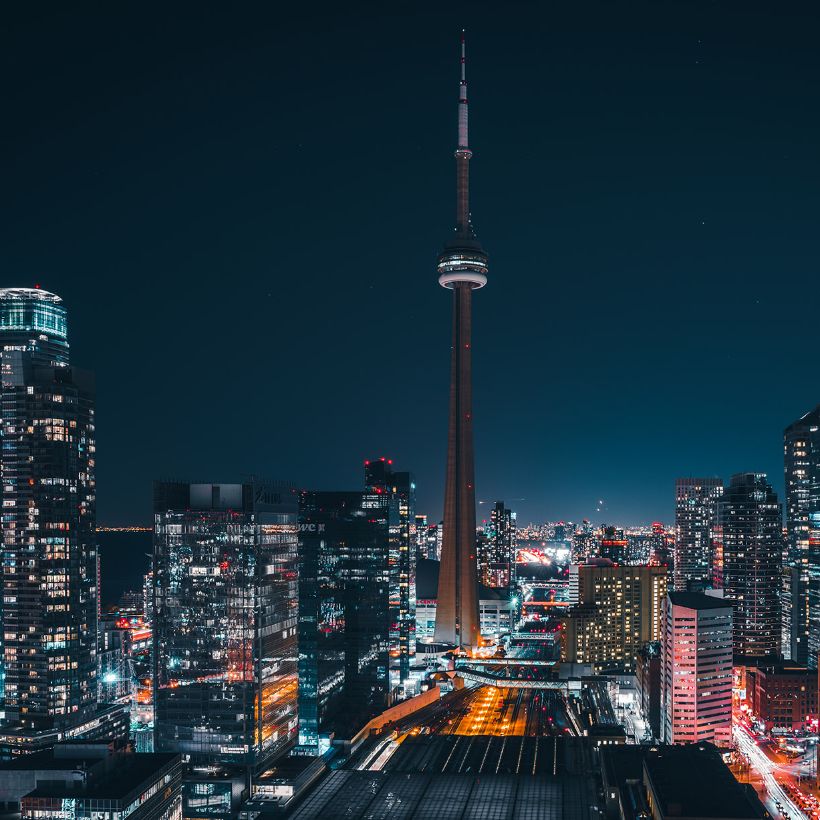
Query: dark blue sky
[242,207]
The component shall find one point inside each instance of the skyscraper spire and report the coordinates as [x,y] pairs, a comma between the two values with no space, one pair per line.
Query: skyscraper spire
[462,267]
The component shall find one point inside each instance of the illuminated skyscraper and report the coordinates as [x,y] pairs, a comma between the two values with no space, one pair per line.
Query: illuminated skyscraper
[49,552]
[225,600]
[462,268]
[496,554]
[696,669]
[584,543]
[421,537]
[801,599]
[614,611]
[659,551]
[344,612]
[749,538]
[613,544]
[398,490]
[695,509]
[357,600]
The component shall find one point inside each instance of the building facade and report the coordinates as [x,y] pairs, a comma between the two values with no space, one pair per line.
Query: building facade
[49,553]
[398,491]
[749,547]
[783,696]
[648,676]
[344,612]
[614,611]
[225,603]
[614,545]
[801,587]
[585,544]
[696,669]
[496,553]
[696,502]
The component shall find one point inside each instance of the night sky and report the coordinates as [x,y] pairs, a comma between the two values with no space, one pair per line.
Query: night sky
[242,208]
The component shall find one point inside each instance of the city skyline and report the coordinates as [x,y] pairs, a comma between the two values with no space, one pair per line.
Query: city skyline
[224,217]
[171,215]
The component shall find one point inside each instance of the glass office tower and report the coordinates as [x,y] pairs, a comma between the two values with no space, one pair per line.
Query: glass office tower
[801,592]
[49,553]
[749,541]
[398,491]
[344,612]
[225,602]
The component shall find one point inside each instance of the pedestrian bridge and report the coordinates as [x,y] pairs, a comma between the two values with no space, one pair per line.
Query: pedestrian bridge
[487,679]
[533,636]
[502,662]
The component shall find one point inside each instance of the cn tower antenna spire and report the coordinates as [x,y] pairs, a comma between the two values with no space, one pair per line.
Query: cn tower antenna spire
[463,140]
[463,153]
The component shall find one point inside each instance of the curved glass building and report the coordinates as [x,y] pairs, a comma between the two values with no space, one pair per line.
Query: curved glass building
[34,320]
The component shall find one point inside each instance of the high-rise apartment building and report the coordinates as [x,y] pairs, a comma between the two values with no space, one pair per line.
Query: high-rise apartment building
[435,535]
[398,491]
[696,669]
[614,611]
[49,553]
[496,553]
[421,537]
[748,545]
[344,612]
[695,510]
[659,553]
[225,602]
[584,543]
[801,598]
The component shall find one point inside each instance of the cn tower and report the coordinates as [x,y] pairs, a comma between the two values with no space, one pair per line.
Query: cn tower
[462,268]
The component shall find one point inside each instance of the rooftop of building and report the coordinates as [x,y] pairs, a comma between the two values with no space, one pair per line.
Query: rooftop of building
[699,600]
[71,755]
[786,669]
[109,777]
[29,293]
[287,768]
[430,796]
[806,420]
[671,771]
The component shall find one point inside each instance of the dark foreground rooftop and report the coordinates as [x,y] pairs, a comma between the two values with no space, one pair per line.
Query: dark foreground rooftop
[678,781]
[420,796]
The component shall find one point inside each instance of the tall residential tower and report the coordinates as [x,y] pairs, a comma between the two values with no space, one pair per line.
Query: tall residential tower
[801,600]
[748,551]
[462,268]
[695,510]
[49,551]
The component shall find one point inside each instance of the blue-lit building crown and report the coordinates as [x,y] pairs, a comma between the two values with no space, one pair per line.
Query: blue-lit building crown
[34,319]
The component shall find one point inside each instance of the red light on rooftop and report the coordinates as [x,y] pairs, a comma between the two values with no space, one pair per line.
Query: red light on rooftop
[37,286]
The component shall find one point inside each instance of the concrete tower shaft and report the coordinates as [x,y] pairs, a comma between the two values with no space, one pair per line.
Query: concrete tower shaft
[462,267]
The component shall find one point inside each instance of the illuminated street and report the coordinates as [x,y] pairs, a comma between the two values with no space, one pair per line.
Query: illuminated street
[775,778]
